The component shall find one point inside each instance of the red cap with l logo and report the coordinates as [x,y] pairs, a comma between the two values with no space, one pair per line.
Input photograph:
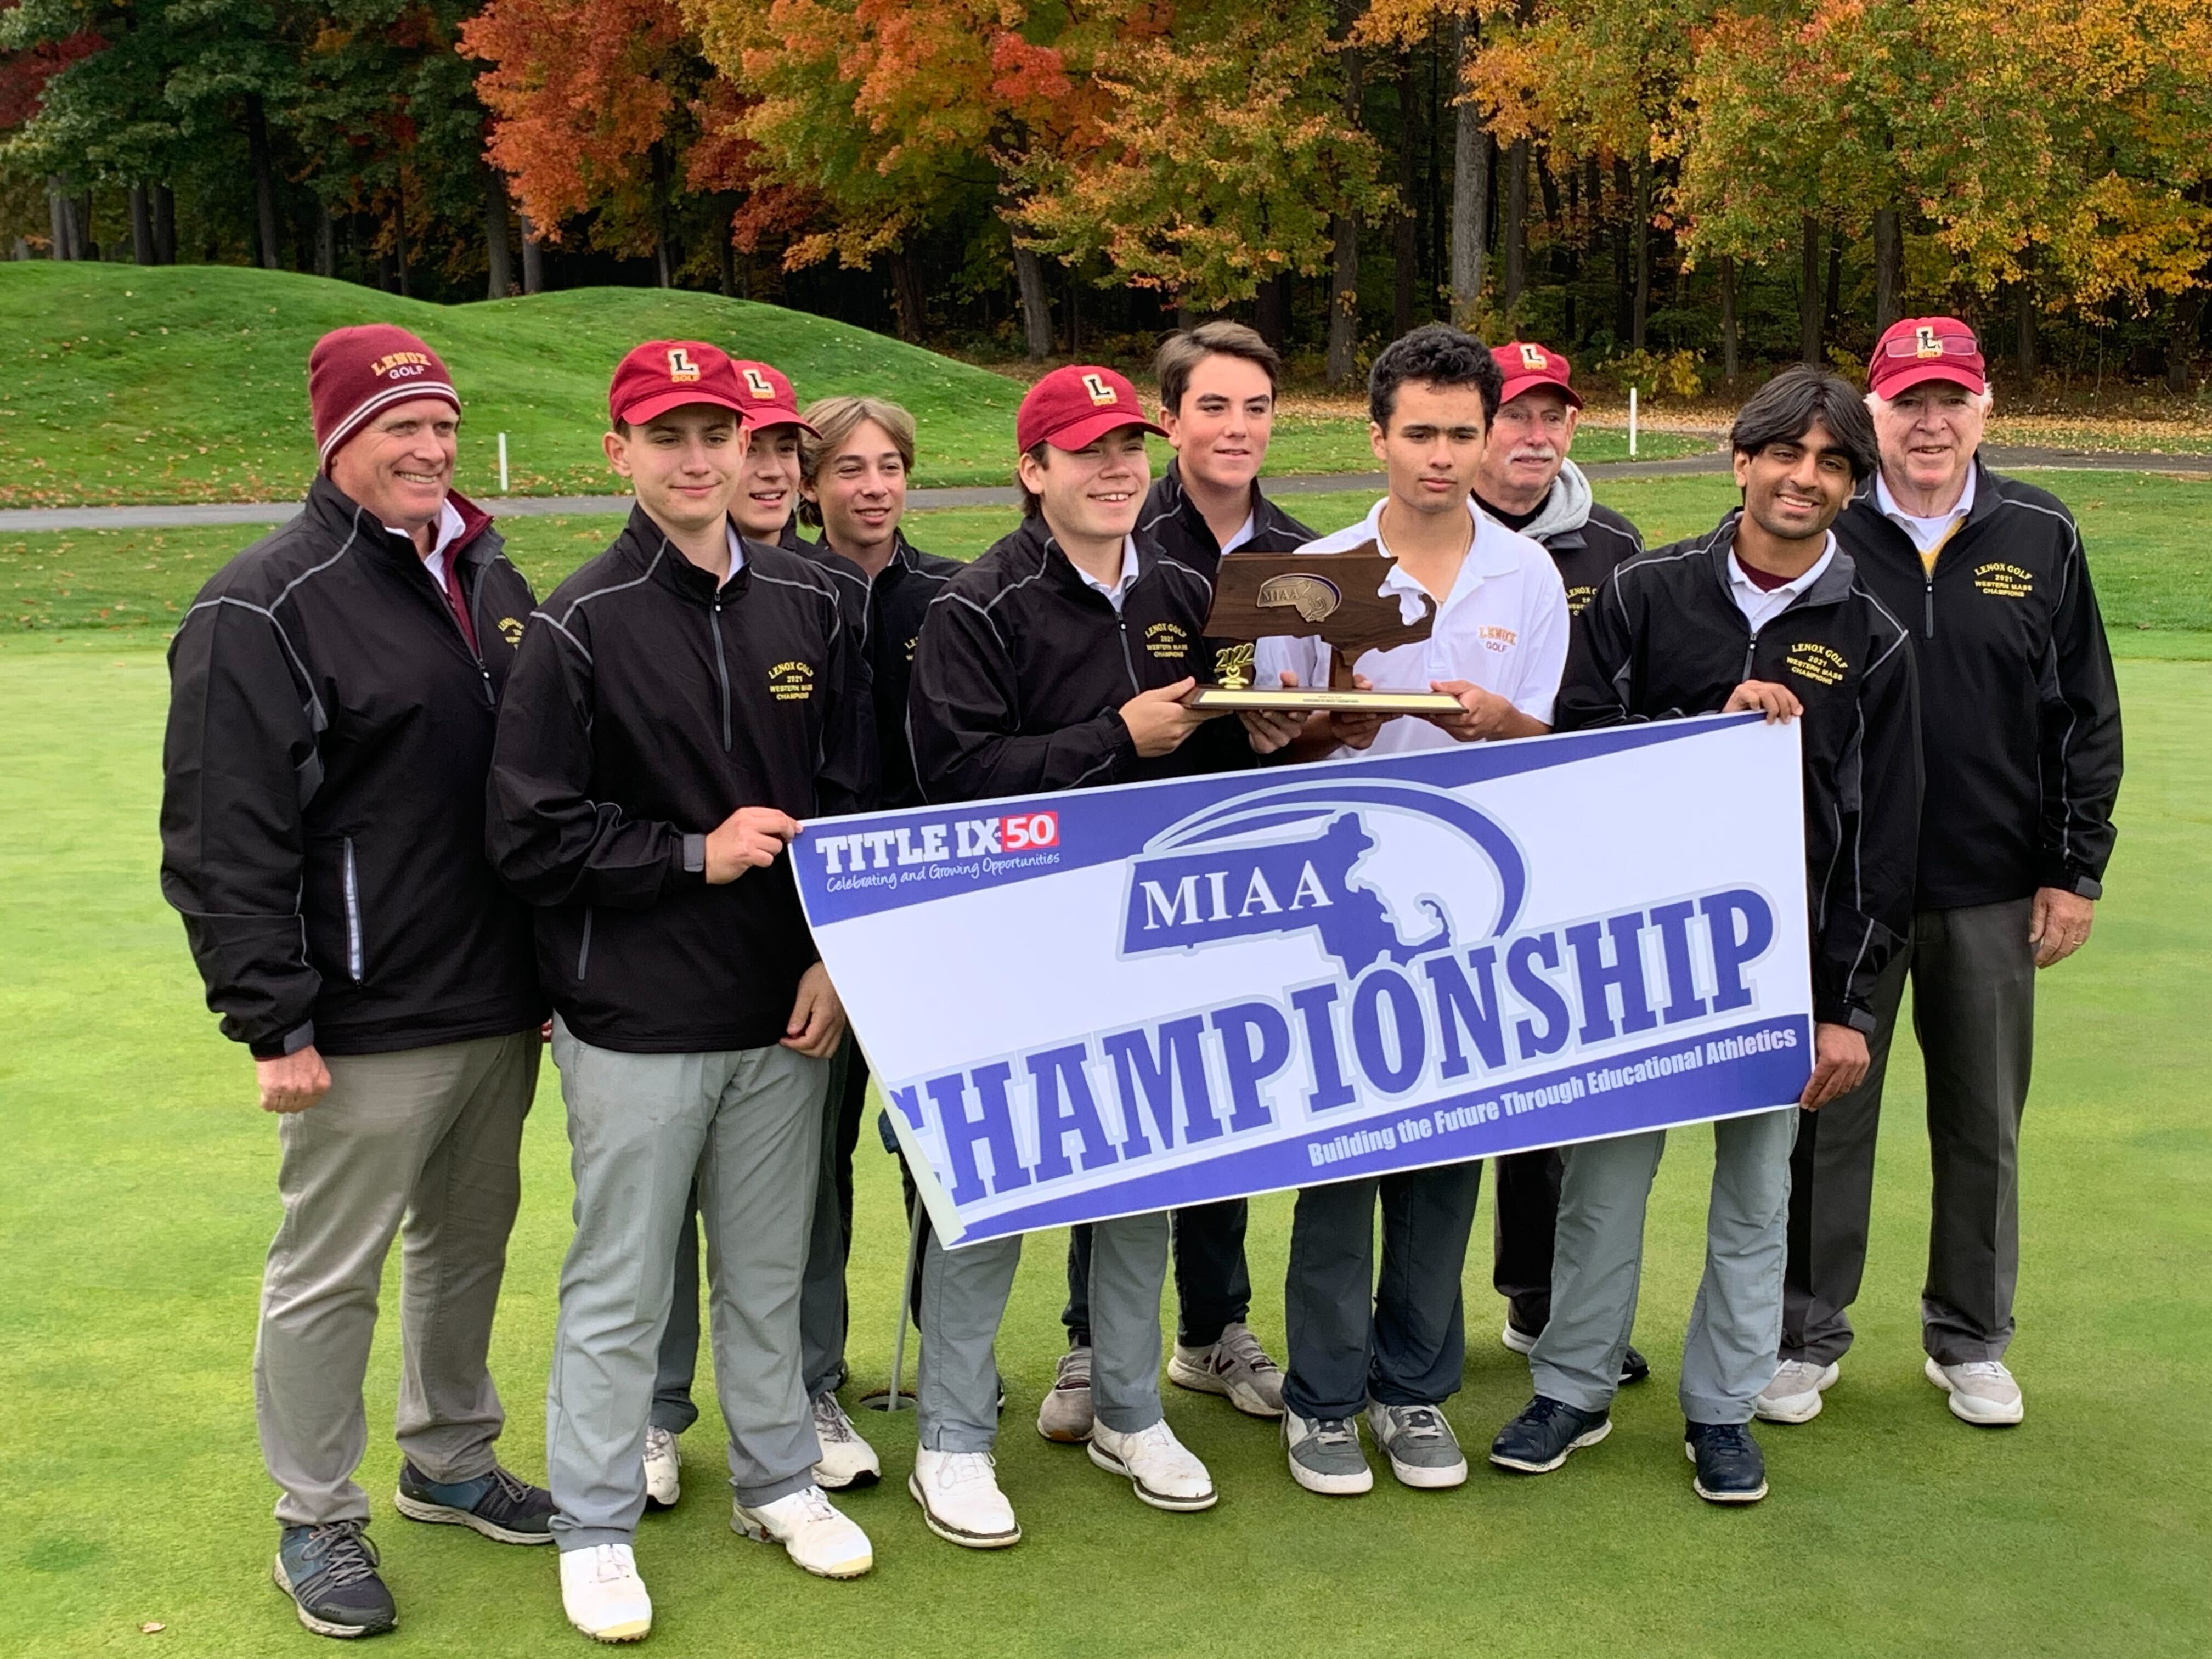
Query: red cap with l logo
[1073,408]
[1918,348]
[664,375]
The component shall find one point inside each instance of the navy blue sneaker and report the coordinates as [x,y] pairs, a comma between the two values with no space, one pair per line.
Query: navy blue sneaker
[329,1573]
[1634,1367]
[1538,1441]
[1731,1468]
[497,1504]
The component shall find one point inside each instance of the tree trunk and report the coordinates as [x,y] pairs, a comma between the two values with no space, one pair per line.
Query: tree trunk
[1832,305]
[1808,289]
[1037,305]
[1470,203]
[399,233]
[2181,339]
[1344,261]
[1407,247]
[326,240]
[728,263]
[165,225]
[58,215]
[499,274]
[2023,335]
[1728,318]
[1624,265]
[264,183]
[1888,267]
[533,259]
[906,296]
[1432,201]
[142,226]
[1516,221]
[1271,309]
[1641,230]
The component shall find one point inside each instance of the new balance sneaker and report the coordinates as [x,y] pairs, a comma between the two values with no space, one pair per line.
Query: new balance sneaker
[1324,1454]
[960,1498]
[1982,1392]
[664,1483]
[1163,1471]
[498,1505]
[1065,1416]
[330,1572]
[847,1459]
[1731,1468]
[602,1594]
[1422,1448]
[1794,1395]
[1539,1440]
[1634,1367]
[1236,1367]
[812,1533]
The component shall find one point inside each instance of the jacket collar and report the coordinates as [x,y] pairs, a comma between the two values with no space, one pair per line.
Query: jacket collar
[339,515]
[1835,584]
[1176,498]
[645,546]
[1039,544]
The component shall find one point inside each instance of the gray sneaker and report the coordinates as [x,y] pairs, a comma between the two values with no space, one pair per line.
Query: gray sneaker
[1236,1367]
[1422,1448]
[1325,1456]
[1065,1416]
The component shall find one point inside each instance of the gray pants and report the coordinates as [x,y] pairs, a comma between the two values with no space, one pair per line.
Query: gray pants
[747,1125]
[1974,1014]
[821,1310]
[422,1144]
[964,1297]
[1597,1264]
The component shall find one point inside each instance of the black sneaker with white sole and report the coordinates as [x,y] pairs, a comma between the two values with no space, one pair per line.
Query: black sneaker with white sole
[1634,1367]
[330,1572]
[1731,1468]
[1539,1440]
[500,1506]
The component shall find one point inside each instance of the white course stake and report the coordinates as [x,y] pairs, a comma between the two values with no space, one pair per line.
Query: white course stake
[502,459]
[1632,440]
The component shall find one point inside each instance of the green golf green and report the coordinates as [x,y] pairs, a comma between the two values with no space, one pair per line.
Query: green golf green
[143,1197]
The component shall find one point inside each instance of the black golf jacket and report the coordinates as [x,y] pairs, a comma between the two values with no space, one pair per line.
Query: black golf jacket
[646,705]
[2019,716]
[1172,519]
[323,789]
[1022,671]
[1665,639]
[887,614]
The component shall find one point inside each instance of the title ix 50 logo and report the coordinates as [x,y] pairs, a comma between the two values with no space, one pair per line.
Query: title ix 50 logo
[936,843]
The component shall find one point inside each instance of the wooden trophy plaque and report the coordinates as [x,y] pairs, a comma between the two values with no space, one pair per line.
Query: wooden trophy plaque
[1333,597]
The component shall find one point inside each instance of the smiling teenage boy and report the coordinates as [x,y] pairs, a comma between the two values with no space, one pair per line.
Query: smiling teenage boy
[679,704]
[1059,660]
[1765,613]
[1393,1344]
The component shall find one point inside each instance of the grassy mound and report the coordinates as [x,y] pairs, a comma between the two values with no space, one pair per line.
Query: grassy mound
[187,383]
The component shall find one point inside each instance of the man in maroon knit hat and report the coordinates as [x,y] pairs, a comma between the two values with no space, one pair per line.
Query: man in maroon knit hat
[333,694]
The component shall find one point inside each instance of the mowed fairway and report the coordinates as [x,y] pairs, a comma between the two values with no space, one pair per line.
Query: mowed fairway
[142,1195]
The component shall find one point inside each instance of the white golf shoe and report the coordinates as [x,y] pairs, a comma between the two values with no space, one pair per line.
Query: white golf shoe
[812,1532]
[1981,1392]
[960,1498]
[602,1594]
[663,1484]
[1794,1395]
[1165,1474]
[847,1459]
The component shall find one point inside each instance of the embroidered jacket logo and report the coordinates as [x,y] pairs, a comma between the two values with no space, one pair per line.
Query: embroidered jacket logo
[1823,665]
[1167,641]
[791,682]
[510,629]
[2005,581]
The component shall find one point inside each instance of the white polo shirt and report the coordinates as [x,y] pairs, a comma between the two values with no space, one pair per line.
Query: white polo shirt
[1761,605]
[1503,626]
[1927,534]
[1120,590]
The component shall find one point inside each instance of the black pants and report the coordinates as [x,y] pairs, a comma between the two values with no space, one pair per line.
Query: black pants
[1973,1015]
[1399,1336]
[1213,1286]
[1527,1217]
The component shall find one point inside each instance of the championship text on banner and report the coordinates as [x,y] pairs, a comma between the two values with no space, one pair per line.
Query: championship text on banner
[1116,1001]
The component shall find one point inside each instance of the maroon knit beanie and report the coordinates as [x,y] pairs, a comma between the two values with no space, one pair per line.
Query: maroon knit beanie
[354,373]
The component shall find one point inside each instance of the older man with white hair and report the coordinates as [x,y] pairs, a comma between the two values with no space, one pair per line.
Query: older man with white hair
[2021,735]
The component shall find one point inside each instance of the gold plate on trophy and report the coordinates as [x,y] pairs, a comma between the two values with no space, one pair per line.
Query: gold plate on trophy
[1224,699]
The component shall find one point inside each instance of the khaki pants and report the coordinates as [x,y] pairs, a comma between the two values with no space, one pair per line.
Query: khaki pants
[422,1144]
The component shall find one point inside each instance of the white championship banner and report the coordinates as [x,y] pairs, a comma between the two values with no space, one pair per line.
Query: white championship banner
[1115,1001]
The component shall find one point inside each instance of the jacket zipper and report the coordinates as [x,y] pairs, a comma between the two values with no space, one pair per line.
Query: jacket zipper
[584,951]
[352,914]
[721,669]
[1128,663]
[1930,621]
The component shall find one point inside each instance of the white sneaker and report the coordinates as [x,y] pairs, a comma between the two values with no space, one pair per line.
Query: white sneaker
[602,1594]
[812,1533]
[1794,1395]
[847,1459]
[1236,1367]
[960,1498]
[1517,1339]
[663,1487]
[1165,1474]
[1981,1392]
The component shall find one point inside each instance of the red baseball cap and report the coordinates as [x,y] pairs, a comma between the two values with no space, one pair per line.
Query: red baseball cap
[1918,348]
[664,375]
[1526,367]
[769,398]
[1073,408]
